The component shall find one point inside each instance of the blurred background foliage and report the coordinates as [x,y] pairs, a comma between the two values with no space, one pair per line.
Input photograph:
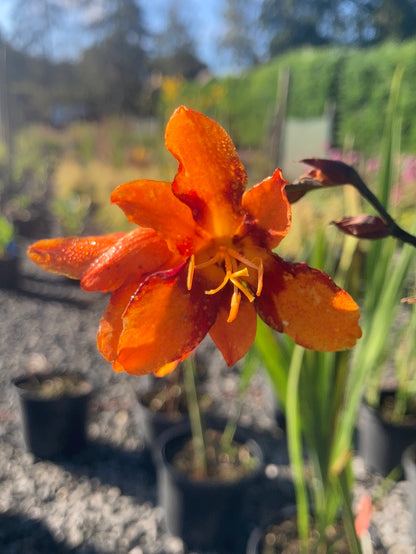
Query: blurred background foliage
[73,127]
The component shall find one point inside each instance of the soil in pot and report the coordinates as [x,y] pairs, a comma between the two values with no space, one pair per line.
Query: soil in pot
[223,464]
[387,410]
[282,538]
[208,513]
[54,412]
[381,441]
[54,386]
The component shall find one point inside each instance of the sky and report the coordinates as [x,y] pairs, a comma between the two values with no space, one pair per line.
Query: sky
[204,17]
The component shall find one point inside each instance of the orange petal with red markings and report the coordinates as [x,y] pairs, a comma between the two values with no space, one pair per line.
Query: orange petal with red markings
[234,339]
[134,255]
[153,204]
[211,178]
[164,322]
[269,212]
[70,256]
[306,304]
[111,323]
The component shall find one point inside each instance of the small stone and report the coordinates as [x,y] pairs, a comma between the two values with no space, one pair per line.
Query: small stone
[272,471]
[136,550]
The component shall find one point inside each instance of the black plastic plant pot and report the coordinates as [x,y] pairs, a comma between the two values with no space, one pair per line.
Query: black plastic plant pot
[381,444]
[409,466]
[154,423]
[9,271]
[208,515]
[54,423]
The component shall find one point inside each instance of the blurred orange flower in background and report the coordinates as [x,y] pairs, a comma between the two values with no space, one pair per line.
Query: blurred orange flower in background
[201,261]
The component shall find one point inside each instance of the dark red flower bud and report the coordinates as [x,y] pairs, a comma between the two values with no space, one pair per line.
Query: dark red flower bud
[326,173]
[295,191]
[332,172]
[363,226]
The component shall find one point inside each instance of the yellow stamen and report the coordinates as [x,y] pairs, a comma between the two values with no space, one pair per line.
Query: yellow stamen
[212,260]
[235,304]
[243,289]
[230,259]
[229,277]
[191,271]
[242,259]
[260,273]
[221,286]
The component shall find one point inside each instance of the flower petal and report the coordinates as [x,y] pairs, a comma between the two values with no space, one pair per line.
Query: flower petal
[269,212]
[164,322]
[70,256]
[111,324]
[234,339]
[211,179]
[166,369]
[152,204]
[306,304]
[136,253]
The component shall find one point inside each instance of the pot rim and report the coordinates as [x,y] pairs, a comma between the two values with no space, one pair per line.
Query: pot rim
[376,413]
[183,429]
[409,458]
[50,374]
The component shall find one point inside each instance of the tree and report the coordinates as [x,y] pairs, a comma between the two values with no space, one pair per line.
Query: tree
[41,27]
[174,50]
[114,69]
[292,23]
[241,37]
[394,19]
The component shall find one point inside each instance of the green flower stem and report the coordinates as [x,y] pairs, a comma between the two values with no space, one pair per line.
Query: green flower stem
[248,369]
[395,230]
[294,429]
[230,428]
[348,516]
[195,417]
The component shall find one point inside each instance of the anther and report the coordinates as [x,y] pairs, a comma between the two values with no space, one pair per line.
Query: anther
[235,304]
[191,271]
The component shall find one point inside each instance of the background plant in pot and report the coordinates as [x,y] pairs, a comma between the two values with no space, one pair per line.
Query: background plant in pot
[386,349]
[311,388]
[388,415]
[207,469]
[387,359]
[54,410]
[322,392]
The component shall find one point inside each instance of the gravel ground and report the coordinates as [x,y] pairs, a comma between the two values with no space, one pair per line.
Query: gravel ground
[103,501]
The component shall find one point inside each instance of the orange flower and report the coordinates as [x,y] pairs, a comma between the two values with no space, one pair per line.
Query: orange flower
[200,262]
[365,510]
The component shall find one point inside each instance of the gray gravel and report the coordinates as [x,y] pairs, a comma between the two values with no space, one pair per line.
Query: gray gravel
[104,499]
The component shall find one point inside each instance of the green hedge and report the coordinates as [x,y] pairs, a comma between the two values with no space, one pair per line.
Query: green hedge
[364,91]
[356,80]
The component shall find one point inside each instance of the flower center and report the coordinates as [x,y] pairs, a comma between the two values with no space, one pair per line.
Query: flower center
[235,267]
